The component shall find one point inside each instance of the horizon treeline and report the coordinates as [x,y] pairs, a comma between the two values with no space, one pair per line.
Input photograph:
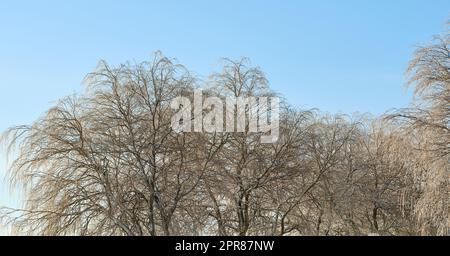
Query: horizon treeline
[107,162]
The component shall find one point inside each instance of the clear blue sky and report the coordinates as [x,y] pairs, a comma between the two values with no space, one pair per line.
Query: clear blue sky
[339,56]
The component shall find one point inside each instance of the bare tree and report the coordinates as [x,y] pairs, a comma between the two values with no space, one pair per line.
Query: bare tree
[428,124]
[108,161]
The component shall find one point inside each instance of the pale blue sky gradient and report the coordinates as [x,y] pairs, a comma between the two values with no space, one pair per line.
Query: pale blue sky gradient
[338,56]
